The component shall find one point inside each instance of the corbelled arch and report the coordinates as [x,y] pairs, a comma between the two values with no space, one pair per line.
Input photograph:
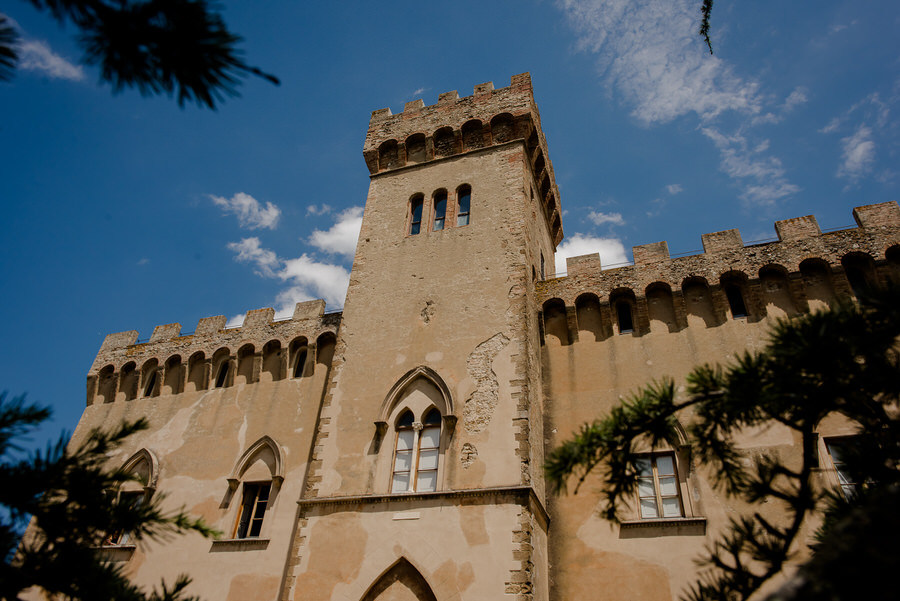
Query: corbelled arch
[265,443]
[400,581]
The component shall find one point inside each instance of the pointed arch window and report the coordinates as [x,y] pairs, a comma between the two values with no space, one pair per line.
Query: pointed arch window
[463,203]
[256,478]
[415,214]
[440,210]
[417,452]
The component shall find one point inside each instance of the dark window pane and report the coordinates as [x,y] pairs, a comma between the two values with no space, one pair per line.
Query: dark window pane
[623,310]
[415,222]
[440,210]
[406,420]
[736,301]
[465,198]
[433,418]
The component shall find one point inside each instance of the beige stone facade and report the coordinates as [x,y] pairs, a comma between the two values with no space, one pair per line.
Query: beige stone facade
[393,451]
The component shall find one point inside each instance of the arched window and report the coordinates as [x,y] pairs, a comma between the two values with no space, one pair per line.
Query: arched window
[416,452]
[463,204]
[258,473]
[440,210]
[142,469]
[415,214]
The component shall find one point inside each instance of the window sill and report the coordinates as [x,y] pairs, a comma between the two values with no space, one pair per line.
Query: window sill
[694,526]
[239,544]
[116,553]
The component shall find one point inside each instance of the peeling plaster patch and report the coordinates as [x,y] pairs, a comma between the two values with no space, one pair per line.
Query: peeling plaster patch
[480,405]
[467,455]
[242,433]
[428,311]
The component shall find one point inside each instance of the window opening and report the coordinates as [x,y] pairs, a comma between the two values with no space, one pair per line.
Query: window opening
[440,210]
[465,200]
[253,509]
[222,375]
[415,223]
[131,499]
[417,453]
[658,487]
[301,362]
[623,311]
[543,277]
[151,383]
[736,301]
[837,450]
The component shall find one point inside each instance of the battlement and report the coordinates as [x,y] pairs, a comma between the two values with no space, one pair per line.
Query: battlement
[457,126]
[124,366]
[803,267]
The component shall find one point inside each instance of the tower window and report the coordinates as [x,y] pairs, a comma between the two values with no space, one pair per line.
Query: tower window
[658,487]
[150,387]
[465,199]
[222,377]
[415,219]
[623,312]
[253,509]
[440,210]
[736,301]
[300,364]
[417,453]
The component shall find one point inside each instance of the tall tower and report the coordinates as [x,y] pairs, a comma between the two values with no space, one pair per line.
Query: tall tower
[425,481]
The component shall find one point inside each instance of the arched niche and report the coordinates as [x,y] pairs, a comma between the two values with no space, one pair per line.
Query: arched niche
[444,142]
[660,307]
[145,466]
[698,302]
[222,369]
[388,156]
[272,362]
[503,128]
[246,363]
[106,385]
[589,318]
[817,284]
[198,372]
[174,375]
[472,134]
[556,327]
[150,378]
[415,148]
[623,305]
[263,460]
[776,291]
[737,293]
[325,344]
[400,582]
[859,268]
[299,352]
[128,381]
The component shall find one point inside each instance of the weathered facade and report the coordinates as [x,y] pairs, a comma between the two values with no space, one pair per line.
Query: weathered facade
[393,451]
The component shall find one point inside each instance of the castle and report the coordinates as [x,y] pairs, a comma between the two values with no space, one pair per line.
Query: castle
[394,450]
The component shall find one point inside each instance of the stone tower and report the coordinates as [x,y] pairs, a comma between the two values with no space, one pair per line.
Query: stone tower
[430,433]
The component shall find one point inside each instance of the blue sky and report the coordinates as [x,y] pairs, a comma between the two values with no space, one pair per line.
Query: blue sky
[123,212]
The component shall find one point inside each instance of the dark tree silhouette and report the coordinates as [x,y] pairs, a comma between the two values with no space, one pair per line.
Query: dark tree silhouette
[71,498]
[842,361]
[180,48]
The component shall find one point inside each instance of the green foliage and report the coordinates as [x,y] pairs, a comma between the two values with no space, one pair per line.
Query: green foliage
[8,56]
[838,362]
[71,497]
[705,14]
[172,47]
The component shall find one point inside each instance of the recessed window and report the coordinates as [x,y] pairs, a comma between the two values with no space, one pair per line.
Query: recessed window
[253,510]
[736,301]
[150,387]
[623,312]
[416,453]
[464,196]
[222,376]
[440,210]
[300,364]
[658,487]
[132,499]
[415,219]
[837,450]
[543,274]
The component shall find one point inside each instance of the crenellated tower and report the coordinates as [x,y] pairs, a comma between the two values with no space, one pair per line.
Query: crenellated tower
[432,425]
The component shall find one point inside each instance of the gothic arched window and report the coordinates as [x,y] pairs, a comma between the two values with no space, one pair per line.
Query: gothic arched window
[416,452]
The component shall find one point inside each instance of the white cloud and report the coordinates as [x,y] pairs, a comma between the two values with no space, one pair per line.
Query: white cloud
[35,55]
[307,278]
[650,53]
[236,321]
[249,211]
[832,126]
[318,209]
[341,238]
[601,218]
[144,261]
[858,155]
[767,184]
[796,98]
[674,189]
[311,279]
[611,250]
[419,91]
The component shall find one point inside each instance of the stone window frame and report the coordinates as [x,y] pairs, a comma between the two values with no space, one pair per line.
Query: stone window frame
[416,200]
[415,448]
[139,489]
[433,221]
[253,485]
